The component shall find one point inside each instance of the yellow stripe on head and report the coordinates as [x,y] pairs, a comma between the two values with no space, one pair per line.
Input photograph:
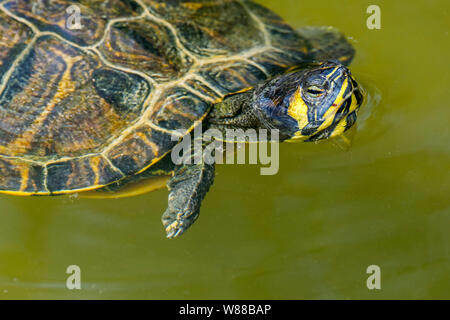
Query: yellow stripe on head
[329,115]
[299,111]
[342,125]
[332,72]
[354,106]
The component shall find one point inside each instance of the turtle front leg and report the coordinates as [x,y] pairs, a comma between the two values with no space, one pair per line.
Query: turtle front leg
[187,188]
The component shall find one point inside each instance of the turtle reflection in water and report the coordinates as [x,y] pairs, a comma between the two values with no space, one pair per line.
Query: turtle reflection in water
[96,107]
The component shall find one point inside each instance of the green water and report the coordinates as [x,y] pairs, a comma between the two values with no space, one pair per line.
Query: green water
[310,231]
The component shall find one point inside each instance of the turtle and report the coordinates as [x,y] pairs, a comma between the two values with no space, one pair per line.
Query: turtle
[95,95]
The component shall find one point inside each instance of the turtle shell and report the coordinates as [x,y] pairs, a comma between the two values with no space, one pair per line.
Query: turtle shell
[93,91]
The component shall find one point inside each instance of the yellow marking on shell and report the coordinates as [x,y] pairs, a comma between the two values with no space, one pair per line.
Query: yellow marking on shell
[237,92]
[155,160]
[24,177]
[61,192]
[193,5]
[152,145]
[157,5]
[173,109]
[73,174]
[299,111]
[130,56]
[65,87]
[23,194]
[130,190]
[95,162]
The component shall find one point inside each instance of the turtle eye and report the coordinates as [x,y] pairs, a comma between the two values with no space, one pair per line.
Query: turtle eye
[315,91]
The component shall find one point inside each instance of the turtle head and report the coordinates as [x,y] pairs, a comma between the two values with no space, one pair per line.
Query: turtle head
[314,103]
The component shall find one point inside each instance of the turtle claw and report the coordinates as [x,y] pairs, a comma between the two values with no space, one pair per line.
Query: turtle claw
[174,230]
[173,224]
[176,224]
